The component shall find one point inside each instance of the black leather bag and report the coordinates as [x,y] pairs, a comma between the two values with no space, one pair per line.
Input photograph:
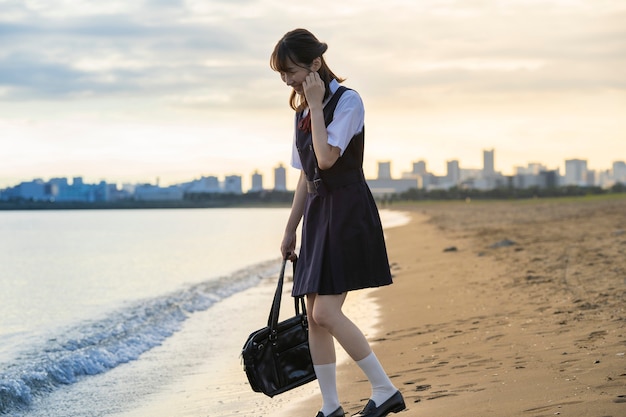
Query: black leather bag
[276,358]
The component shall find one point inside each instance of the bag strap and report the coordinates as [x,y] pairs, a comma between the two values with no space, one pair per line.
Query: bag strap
[272,321]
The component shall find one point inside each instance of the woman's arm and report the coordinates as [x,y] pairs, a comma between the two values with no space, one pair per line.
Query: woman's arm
[288,245]
[325,153]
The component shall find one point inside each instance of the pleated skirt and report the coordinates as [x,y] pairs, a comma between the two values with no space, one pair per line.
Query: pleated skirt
[342,246]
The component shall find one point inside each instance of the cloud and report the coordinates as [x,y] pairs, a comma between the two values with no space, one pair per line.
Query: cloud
[206,63]
[70,48]
[113,55]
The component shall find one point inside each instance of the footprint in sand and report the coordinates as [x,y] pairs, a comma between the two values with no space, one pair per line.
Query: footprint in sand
[620,399]
[441,394]
[423,387]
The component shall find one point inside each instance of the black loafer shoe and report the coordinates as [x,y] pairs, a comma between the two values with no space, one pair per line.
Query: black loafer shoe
[395,404]
[337,413]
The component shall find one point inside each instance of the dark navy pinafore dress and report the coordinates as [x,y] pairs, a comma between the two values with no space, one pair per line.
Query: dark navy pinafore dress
[342,246]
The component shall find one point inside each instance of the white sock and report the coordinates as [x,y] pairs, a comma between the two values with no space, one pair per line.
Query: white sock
[327,380]
[382,387]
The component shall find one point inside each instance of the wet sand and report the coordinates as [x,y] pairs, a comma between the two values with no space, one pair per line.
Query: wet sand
[215,385]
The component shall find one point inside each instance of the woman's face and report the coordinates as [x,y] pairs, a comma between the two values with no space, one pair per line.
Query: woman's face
[294,75]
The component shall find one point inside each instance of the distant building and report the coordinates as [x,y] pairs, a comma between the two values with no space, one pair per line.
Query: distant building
[419,168]
[619,171]
[280,178]
[34,190]
[384,170]
[149,192]
[488,163]
[59,190]
[257,182]
[419,173]
[232,184]
[545,179]
[469,176]
[525,181]
[61,184]
[210,184]
[427,181]
[591,177]
[385,185]
[549,178]
[453,175]
[535,175]
[119,194]
[576,172]
[533,168]
[129,188]
[471,173]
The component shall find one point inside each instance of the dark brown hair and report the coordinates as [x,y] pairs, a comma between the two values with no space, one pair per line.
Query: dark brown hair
[301,47]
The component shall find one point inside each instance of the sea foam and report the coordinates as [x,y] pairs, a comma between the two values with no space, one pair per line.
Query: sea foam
[96,346]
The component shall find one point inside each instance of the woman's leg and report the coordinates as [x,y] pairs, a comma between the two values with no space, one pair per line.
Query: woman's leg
[326,313]
[322,349]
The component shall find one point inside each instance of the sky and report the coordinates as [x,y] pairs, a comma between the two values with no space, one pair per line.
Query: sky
[173,90]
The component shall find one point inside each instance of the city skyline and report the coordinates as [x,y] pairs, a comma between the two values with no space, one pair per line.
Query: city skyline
[293,174]
[280,180]
[131,91]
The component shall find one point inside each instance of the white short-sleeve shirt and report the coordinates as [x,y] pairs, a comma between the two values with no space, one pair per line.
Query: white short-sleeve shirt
[348,121]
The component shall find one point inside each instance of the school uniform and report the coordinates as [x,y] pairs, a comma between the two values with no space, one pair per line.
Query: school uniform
[342,246]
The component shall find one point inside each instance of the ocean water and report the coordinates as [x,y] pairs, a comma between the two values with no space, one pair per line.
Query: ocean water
[84,292]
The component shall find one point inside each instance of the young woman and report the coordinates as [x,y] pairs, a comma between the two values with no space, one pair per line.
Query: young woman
[342,246]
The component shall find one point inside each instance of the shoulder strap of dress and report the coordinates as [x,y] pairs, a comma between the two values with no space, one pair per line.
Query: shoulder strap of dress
[329,109]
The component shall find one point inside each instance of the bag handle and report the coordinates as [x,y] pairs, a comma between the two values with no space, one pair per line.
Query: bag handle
[272,321]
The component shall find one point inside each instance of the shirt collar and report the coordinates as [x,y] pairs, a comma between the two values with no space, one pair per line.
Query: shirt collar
[333,86]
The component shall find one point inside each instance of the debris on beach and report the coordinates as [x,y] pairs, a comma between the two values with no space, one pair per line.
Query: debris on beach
[450,249]
[503,243]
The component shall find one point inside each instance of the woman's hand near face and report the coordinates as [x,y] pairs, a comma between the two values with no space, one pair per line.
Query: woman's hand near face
[314,89]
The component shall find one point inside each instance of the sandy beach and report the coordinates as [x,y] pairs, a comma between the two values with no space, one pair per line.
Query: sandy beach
[497,309]
[503,309]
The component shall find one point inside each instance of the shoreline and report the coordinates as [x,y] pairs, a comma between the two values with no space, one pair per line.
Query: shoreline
[137,205]
[197,370]
[219,386]
[532,328]
[283,199]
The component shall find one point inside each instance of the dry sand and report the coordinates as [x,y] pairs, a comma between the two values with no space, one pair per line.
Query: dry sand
[502,309]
